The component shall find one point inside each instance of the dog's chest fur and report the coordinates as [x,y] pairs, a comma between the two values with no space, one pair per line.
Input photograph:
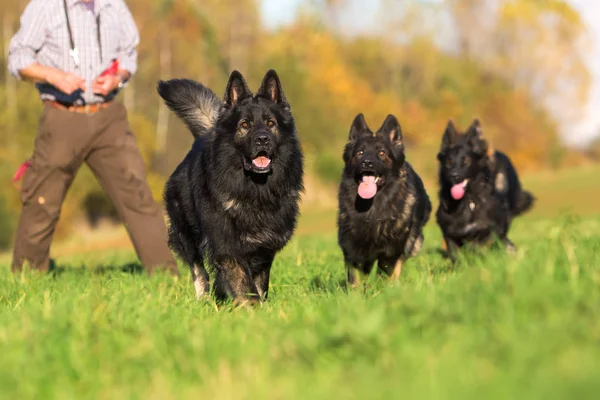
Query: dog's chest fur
[470,208]
[477,206]
[383,228]
[268,225]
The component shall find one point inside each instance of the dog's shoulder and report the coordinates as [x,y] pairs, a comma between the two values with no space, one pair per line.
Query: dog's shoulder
[413,179]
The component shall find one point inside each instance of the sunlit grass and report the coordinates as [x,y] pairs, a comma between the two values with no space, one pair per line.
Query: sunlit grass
[496,326]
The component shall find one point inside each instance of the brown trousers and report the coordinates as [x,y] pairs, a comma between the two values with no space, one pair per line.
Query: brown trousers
[104,141]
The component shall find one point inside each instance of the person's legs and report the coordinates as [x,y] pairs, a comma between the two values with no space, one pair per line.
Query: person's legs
[56,158]
[117,163]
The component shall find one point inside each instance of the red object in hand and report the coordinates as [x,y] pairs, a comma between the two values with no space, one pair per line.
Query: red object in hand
[112,69]
[20,171]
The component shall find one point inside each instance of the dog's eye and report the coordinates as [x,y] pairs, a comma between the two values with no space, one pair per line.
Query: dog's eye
[381,153]
[449,162]
[360,153]
[467,160]
[245,124]
[270,123]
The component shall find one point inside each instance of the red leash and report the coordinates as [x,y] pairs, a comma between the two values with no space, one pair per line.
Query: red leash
[112,69]
[19,173]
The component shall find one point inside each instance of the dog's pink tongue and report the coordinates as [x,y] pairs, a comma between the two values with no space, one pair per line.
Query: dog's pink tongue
[261,162]
[367,188]
[458,191]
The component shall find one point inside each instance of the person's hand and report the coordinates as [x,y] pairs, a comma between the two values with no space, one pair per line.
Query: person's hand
[105,84]
[65,82]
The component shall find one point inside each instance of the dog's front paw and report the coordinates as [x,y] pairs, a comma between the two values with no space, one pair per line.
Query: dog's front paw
[247,302]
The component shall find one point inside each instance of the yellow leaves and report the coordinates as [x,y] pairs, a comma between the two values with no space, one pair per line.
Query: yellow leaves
[531,10]
[331,77]
[518,10]
[538,17]
[541,46]
[510,62]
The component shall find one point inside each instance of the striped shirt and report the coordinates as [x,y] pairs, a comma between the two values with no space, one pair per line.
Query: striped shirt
[43,38]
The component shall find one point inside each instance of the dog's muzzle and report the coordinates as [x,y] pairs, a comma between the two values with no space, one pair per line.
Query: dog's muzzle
[261,153]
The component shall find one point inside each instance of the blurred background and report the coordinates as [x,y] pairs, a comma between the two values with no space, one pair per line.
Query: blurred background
[529,69]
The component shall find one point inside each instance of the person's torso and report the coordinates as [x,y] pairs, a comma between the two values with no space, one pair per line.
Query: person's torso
[97,36]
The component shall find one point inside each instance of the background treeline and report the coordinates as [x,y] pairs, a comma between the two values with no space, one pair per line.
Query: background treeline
[516,64]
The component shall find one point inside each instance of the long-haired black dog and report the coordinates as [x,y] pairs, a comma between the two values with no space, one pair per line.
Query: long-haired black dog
[480,192]
[234,198]
[383,205]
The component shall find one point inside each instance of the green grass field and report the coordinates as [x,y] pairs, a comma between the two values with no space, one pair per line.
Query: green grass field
[496,326]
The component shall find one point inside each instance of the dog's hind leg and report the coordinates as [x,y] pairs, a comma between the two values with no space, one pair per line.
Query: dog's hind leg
[235,280]
[397,271]
[261,280]
[392,267]
[510,246]
[502,232]
[356,272]
[200,279]
[451,248]
[414,245]
[352,275]
[192,257]
[261,273]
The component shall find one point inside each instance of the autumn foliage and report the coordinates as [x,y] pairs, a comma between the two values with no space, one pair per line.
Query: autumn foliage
[515,64]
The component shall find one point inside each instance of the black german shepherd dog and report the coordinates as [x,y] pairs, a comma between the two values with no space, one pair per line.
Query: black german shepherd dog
[480,192]
[234,198]
[383,205]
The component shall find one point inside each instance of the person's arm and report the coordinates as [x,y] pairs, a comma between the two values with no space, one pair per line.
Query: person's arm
[63,81]
[28,40]
[128,42]
[23,49]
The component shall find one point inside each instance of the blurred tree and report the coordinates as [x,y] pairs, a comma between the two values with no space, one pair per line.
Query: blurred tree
[594,148]
[535,45]
[516,64]
[164,7]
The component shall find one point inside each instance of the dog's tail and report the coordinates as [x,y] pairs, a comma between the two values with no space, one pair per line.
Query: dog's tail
[194,103]
[525,201]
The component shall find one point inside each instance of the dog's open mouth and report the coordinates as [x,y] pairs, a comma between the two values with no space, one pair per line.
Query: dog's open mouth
[367,188]
[458,191]
[261,163]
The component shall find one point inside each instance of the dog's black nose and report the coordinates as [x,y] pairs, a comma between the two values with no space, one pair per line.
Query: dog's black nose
[262,140]
[367,164]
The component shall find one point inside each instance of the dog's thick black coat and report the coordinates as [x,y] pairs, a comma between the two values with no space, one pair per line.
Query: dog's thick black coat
[386,228]
[233,200]
[491,194]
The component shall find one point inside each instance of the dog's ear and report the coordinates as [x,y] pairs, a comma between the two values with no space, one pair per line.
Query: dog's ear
[272,90]
[475,130]
[476,137]
[359,128]
[448,138]
[236,89]
[450,135]
[391,130]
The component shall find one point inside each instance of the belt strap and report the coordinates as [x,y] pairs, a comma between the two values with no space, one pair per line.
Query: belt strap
[85,109]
